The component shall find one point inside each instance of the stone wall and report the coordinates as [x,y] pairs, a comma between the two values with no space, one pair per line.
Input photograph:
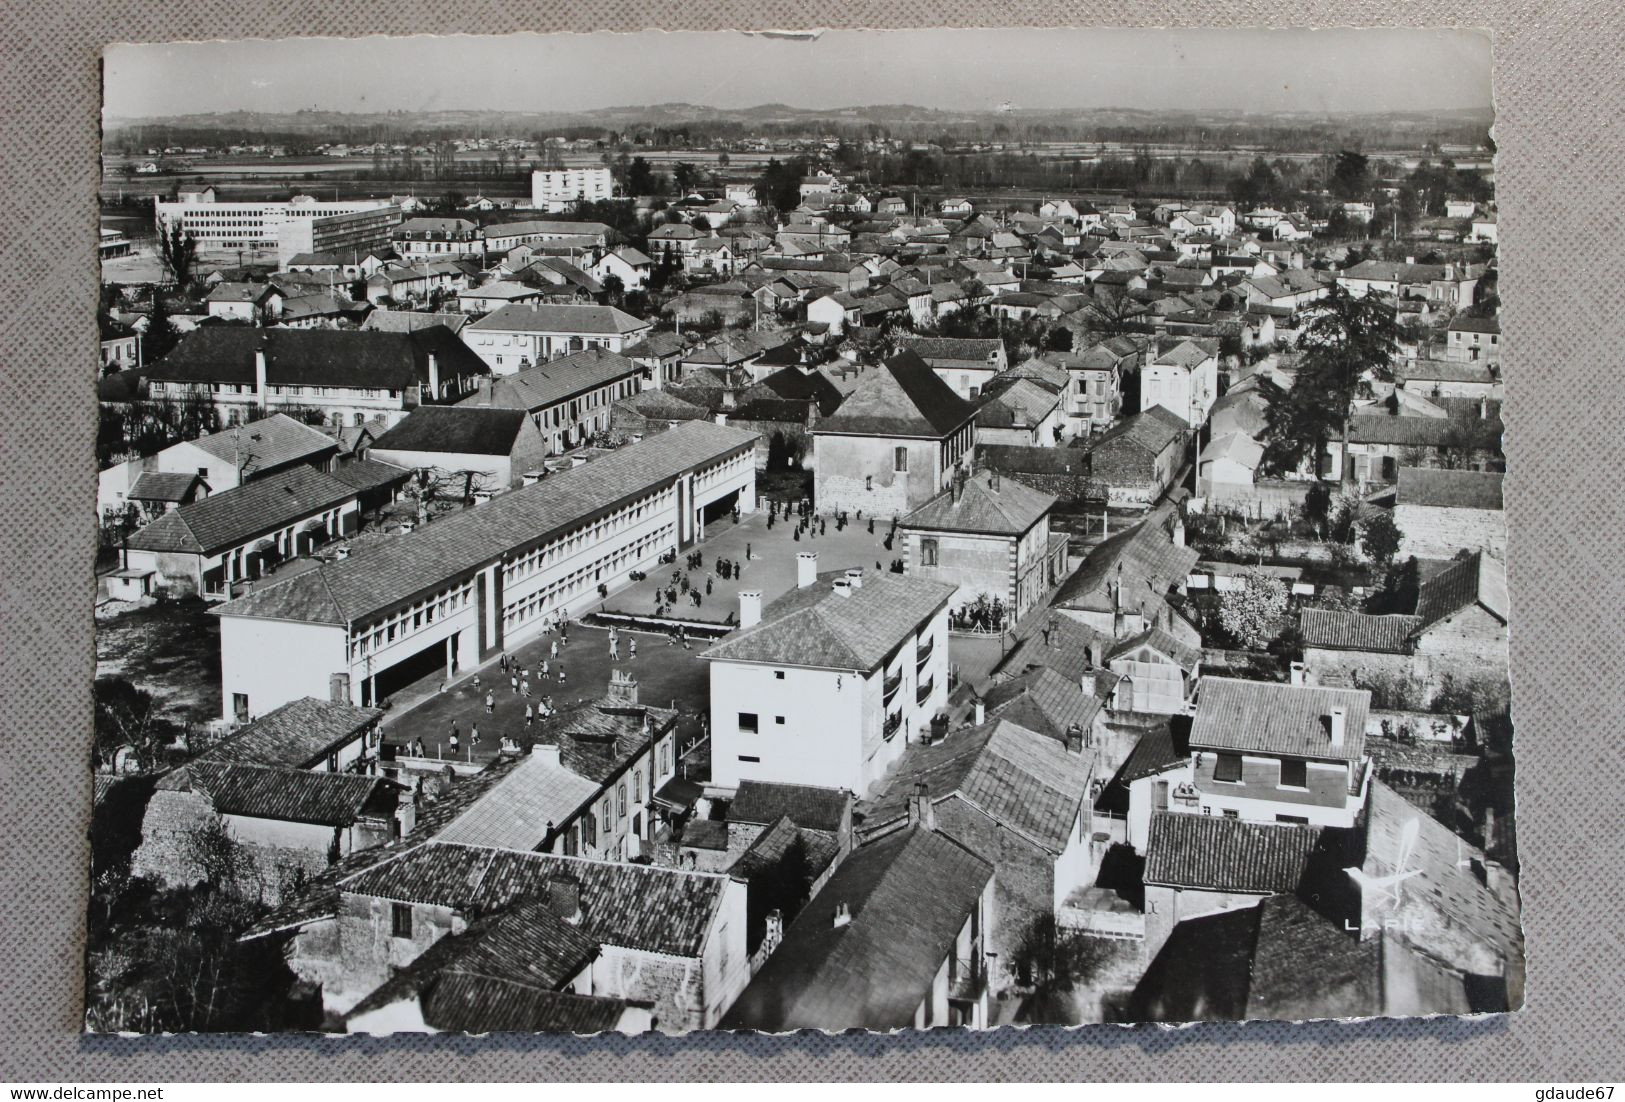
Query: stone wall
[1433,533]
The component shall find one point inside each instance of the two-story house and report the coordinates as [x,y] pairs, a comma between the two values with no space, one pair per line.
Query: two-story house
[515,337]
[1184,380]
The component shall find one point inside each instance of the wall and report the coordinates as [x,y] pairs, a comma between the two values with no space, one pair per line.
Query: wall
[306,655]
[1167,907]
[820,742]
[976,564]
[1434,533]
[857,473]
[1259,797]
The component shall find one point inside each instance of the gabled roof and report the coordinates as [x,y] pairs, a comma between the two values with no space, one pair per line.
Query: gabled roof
[1044,700]
[1476,579]
[268,442]
[1151,431]
[288,795]
[903,397]
[816,626]
[1024,780]
[598,738]
[233,516]
[660,405]
[545,384]
[1151,564]
[297,735]
[524,809]
[977,506]
[807,806]
[163,486]
[956,349]
[561,318]
[392,571]
[1183,654]
[863,974]
[455,430]
[1267,717]
[1336,629]
[1448,489]
[644,907]
[1012,401]
[1216,854]
[317,357]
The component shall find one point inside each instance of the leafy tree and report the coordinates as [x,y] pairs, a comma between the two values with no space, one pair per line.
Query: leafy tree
[1251,615]
[686,176]
[1351,177]
[1380,537]
[1347,340]
[1054,961]
[614,289]
[1398,592]
[178,250]
[639,178]
[128,716]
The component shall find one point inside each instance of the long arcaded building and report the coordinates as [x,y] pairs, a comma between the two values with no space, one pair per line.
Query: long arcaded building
[456,591]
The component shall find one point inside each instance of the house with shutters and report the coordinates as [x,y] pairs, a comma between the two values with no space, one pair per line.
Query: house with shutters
[893,443]
[568,400]
[990,538]
[965,364]
[516,337]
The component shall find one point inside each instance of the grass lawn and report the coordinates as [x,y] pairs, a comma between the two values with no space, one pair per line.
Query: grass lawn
[171,649]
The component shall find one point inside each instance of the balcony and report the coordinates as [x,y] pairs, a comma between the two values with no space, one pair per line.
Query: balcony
[890,686]
[922,653]
[893,722]
[923,693]
[967,979]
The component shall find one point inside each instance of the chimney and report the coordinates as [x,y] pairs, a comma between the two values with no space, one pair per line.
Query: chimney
[1074,739]
[622,688]
[1339,718]
[843,915]
[260,387]
[843,587]
[338,688]
[483,386]
[978,712]
[1179,532]
[750,607]
[806,568]
[773,933]
[406,813]
[548,750]
[1410,260]
[921,813]
[564,896]
[993,481]
[1298,669]
[854,577]
[434,377]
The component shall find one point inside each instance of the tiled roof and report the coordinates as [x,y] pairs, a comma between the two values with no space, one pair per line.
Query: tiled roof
[902,397]
[1009,402]
[1019,459]
[1021,778]
[1476,579]
[297,735]
[1059,643]
[553,227]
[1151,430]
[1044,699]
[1336,629]
[765,802]
[162,486]
[1268,717]
[956,349]
[1462,323]
[239,514]
[1160,748]
[460,429]
[466,1003]
[524,809]
[272,441]
[387,573]
[289,795]
[1216,854]
[766,854]
[596,320]
[1445,371]
[658,405]
[1448,489]
[1306,965]
[362,475]
[1009,510]
[596,738]
[863,974]
[317,357]
[1160,641]
[645,907]
[816,626]
[1151,564]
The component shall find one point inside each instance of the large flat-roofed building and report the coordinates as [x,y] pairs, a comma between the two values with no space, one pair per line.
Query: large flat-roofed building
[453,592]
[557,189]
[350,235]
[262,225]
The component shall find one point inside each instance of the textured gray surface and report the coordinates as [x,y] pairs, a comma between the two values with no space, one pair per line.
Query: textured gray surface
[1560,96]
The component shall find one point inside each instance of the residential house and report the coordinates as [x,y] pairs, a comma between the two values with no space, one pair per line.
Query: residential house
[516,337]
[568,399]
[1122,586]
[1137,459]
[1473,339]
[1018,410]
[469,449]
[990,538]
[437,238]
[894,443]
[626,264]
[1441,512]
[842,963]
[1183,379]
[203,548]
[258,303]
[862,658]
[1158,672]
[495,295]
[1096,398]
[1447,286]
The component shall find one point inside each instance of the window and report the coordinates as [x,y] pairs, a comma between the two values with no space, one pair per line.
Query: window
[400,920]
[1301,820]
[747,757]
[604,813]
[621,800]
[778,675]
[928,552]
[1227,767]
[748,723]
[778,720]
[868,482]
[589,830]
[637,785]
[1232,814]
[1294,774]
[900,459]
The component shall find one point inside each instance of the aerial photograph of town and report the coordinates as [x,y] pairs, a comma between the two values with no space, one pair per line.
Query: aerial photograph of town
[836,530]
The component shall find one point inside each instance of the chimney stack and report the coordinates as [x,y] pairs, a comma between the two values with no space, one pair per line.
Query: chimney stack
[806,568]
[843,915]
[548,750]
[260,387]
[921,813]
[434,377]
[1339,722]
[854,577]
[1179,532]
[978,712]
[622,688]
[1298,670]
[564,896]
[1074,739]
[750,607]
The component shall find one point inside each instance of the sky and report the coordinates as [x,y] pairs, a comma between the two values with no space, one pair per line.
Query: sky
[1333,71]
